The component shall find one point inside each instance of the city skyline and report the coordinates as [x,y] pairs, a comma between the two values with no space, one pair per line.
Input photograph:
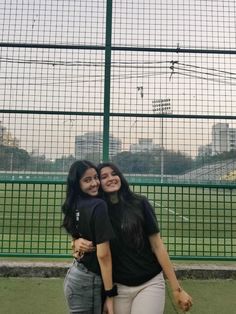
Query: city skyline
[223,139]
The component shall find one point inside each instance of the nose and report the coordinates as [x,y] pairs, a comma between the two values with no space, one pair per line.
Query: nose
[94,182]
[109,178]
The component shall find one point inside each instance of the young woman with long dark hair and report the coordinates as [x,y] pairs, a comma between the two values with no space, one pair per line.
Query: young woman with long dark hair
[139,255]
[86,215]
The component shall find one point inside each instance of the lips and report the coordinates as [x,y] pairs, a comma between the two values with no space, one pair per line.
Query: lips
[94,191]
[112,185]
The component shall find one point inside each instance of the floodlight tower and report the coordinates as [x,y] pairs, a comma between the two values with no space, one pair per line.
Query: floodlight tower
[162,106]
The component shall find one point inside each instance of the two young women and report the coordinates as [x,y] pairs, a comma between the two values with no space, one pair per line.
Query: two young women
[86,215]
[138,254]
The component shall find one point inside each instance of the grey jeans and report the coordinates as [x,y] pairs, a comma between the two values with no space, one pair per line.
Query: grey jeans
[82,290]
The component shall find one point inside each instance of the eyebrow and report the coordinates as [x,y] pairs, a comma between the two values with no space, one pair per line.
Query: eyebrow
[89,177]
[84,178]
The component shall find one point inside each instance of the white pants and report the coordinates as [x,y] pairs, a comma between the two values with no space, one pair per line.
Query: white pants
[148,298]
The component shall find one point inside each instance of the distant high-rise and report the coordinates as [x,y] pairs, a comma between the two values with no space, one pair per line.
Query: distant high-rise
[220,132]
[223,140]
[2,132]
[91,143]
[232,139]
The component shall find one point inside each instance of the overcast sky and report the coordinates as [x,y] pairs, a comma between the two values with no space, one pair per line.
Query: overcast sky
[72,80]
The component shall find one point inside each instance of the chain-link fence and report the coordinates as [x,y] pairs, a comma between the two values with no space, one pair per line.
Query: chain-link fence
[149,85]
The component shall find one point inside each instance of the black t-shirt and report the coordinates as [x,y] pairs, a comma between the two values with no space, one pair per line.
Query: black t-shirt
[133,266]
[94,225]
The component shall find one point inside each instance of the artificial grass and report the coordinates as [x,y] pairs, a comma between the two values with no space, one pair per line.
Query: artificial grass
[45,296]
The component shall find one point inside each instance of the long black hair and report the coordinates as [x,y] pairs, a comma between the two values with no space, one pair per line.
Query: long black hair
[73,193]
[132,222]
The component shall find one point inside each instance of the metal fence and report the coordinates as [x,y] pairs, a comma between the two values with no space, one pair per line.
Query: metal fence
[146,84]
[196,222]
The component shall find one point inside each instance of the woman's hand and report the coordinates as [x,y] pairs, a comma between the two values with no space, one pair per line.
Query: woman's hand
[81,246]
[183,299]
[108,306]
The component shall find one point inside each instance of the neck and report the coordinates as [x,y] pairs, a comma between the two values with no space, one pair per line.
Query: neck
[114,198]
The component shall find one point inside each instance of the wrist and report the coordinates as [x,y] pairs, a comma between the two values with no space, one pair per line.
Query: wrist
[112,292]
[178,289]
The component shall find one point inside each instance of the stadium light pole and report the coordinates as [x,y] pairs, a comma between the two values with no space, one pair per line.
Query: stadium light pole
[162,106]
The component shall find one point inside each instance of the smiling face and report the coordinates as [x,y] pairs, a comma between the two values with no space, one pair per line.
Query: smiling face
[89,182]
[110,181]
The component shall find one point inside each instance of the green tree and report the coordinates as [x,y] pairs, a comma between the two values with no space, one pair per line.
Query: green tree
[63,164]
[150,162]
[13,158]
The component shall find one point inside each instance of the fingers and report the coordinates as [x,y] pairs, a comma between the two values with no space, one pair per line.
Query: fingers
[84,245]
[75,255]
[78,255]
[185,306]
[87,245]
[183,299]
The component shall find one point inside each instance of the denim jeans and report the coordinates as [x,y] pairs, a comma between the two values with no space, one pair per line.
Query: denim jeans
[82,290]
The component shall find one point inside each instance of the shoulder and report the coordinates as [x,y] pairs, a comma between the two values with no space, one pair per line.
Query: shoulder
[99,210]
[141,201]
[98,204]
[94,208]
[145,201]
[92,201]
[92,204]
[147,206]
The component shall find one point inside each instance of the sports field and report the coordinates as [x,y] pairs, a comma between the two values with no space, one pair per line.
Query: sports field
[41,295]
[195,221]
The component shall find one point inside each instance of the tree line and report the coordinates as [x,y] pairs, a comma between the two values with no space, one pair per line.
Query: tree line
[171,162]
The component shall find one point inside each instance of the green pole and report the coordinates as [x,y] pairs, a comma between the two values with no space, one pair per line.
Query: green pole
[107,82]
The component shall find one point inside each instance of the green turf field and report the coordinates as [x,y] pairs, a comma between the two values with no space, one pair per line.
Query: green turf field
[38,295]
[194,221]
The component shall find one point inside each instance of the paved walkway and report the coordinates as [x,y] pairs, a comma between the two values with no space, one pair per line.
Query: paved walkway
[58,269]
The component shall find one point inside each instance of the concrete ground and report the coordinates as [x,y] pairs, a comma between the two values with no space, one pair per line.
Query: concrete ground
[55,269]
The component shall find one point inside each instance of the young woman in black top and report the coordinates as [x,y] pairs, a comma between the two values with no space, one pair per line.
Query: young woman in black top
[86,215]
[138,253]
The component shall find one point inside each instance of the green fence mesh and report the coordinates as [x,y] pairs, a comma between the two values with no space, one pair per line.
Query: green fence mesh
[196,222]
[147,84]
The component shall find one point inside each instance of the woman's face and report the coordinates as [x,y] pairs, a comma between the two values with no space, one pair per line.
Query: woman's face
[89,183]
[110,181]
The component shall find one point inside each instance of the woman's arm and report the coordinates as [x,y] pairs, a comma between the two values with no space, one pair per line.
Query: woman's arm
[181,297]
[80,246]
[105,263]
[104,258]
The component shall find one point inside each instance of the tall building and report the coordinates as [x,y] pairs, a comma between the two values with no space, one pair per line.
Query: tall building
[220,142]
[223,140]
[2,132]
[144,145]
[232,139]
[92,143]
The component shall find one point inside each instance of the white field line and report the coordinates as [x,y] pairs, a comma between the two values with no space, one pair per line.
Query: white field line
[172,211]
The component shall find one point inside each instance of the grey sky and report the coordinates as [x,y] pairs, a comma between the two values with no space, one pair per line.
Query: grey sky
[71,80]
